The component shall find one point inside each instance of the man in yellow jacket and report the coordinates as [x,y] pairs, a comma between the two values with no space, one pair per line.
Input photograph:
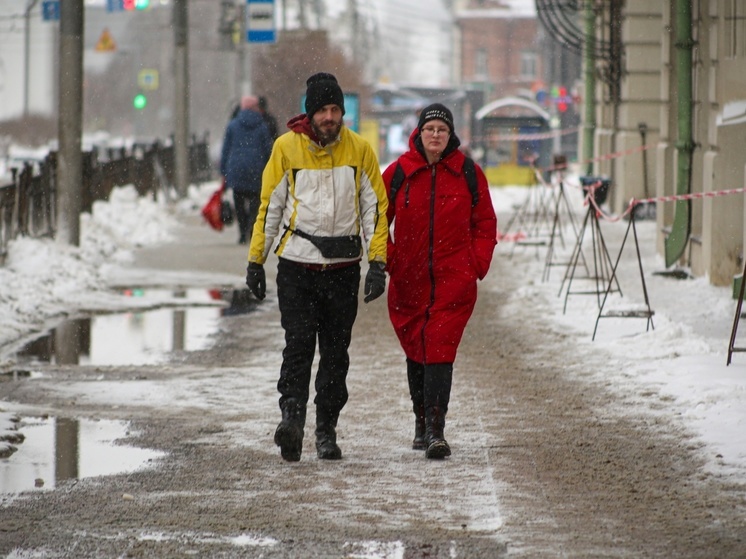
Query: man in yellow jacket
[322,192]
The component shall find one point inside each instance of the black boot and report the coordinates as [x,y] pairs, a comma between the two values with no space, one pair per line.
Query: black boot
[416,379]
[438,379]
[418,443]
[289,433]
[326,435]
[437,446]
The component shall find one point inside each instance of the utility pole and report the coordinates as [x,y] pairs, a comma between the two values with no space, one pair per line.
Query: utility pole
[355,28]
[27,54]
[302,17]
[244,55]
[181,102]
[70,122]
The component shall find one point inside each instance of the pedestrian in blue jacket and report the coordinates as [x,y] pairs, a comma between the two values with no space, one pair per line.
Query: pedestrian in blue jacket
[247,146]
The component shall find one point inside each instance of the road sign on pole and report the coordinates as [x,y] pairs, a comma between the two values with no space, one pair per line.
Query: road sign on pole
[105,42]
[50,10]
[260,21]
[147,78]
[114,6]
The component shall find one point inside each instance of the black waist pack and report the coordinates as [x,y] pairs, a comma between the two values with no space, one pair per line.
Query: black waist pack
[347,246]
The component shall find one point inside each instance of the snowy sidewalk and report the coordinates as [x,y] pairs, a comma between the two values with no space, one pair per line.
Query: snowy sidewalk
[563,446]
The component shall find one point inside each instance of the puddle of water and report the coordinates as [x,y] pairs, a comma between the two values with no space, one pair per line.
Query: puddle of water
[58,449]
[138,337]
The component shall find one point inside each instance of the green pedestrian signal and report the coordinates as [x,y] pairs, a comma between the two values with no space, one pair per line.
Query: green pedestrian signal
[139,101]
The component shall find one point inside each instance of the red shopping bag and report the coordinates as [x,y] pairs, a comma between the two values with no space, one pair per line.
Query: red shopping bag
[212,211]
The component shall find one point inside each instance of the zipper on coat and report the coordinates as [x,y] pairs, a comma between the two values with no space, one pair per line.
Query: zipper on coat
[431,243]
[430,250]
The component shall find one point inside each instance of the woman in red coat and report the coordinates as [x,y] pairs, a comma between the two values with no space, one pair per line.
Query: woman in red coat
[443,232]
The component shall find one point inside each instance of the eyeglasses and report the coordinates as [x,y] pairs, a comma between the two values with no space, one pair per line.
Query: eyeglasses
[432,131]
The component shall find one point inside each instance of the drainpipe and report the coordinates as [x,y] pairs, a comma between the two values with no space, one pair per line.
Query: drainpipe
[589,119]
[676,241]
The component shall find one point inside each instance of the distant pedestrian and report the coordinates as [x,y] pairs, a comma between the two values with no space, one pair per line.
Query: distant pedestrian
[410,123]
[444,233]
[323,194]
[246,149]
[269,118]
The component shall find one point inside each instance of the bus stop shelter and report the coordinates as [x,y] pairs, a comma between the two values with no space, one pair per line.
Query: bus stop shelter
[512,135]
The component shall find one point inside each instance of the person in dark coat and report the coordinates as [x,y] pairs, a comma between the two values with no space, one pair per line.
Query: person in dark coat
[442,243]
[247,146]
[269,118]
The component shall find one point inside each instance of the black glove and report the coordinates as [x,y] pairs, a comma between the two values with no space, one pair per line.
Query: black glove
[256,280]
[375,281]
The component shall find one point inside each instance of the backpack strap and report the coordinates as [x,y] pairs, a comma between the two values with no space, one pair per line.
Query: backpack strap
[396,181]
[470,174]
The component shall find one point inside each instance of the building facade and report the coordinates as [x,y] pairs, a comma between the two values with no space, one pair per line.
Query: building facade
[499,47]
[682,91]
[504,52]
[28,55]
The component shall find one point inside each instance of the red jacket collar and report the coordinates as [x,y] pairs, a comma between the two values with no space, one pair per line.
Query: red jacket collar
[301,124]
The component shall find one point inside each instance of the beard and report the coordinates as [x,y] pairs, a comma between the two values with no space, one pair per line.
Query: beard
[326,130]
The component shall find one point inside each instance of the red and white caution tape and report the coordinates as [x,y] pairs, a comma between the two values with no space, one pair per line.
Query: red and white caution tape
[692,196]
[604,157]
[536,136]
[614,155]
[511,237]
[673,198]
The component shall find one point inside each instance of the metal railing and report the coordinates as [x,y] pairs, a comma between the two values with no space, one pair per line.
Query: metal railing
[28,203]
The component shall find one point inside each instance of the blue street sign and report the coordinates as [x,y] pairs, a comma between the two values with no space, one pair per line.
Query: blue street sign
[114,5]
[260,21]
[50,10]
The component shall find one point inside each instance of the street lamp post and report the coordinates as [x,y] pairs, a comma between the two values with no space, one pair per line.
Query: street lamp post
[181,101]
[27,54]
[70,122]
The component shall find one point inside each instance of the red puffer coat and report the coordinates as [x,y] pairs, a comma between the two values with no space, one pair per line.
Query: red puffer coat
[439,245]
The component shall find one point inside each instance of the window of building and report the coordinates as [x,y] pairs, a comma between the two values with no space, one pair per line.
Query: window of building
[735,28]
[480,64]
[528,65]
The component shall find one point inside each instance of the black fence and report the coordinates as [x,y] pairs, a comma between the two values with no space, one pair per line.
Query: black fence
[28,204]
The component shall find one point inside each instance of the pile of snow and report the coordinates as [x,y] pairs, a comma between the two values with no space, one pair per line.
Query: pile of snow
[43,279]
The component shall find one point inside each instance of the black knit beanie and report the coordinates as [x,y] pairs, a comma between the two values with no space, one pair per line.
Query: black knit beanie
[323,89]
[433,112]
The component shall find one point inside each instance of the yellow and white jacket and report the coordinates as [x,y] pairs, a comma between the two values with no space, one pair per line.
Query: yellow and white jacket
[328,191]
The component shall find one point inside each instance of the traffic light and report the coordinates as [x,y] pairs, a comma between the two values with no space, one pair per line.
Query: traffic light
[130,5]
[139,101]
[562,99]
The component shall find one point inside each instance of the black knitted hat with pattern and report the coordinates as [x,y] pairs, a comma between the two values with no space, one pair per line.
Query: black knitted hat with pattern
[436,111]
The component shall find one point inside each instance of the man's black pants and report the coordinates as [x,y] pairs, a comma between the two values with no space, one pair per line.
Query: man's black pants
[316,303]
